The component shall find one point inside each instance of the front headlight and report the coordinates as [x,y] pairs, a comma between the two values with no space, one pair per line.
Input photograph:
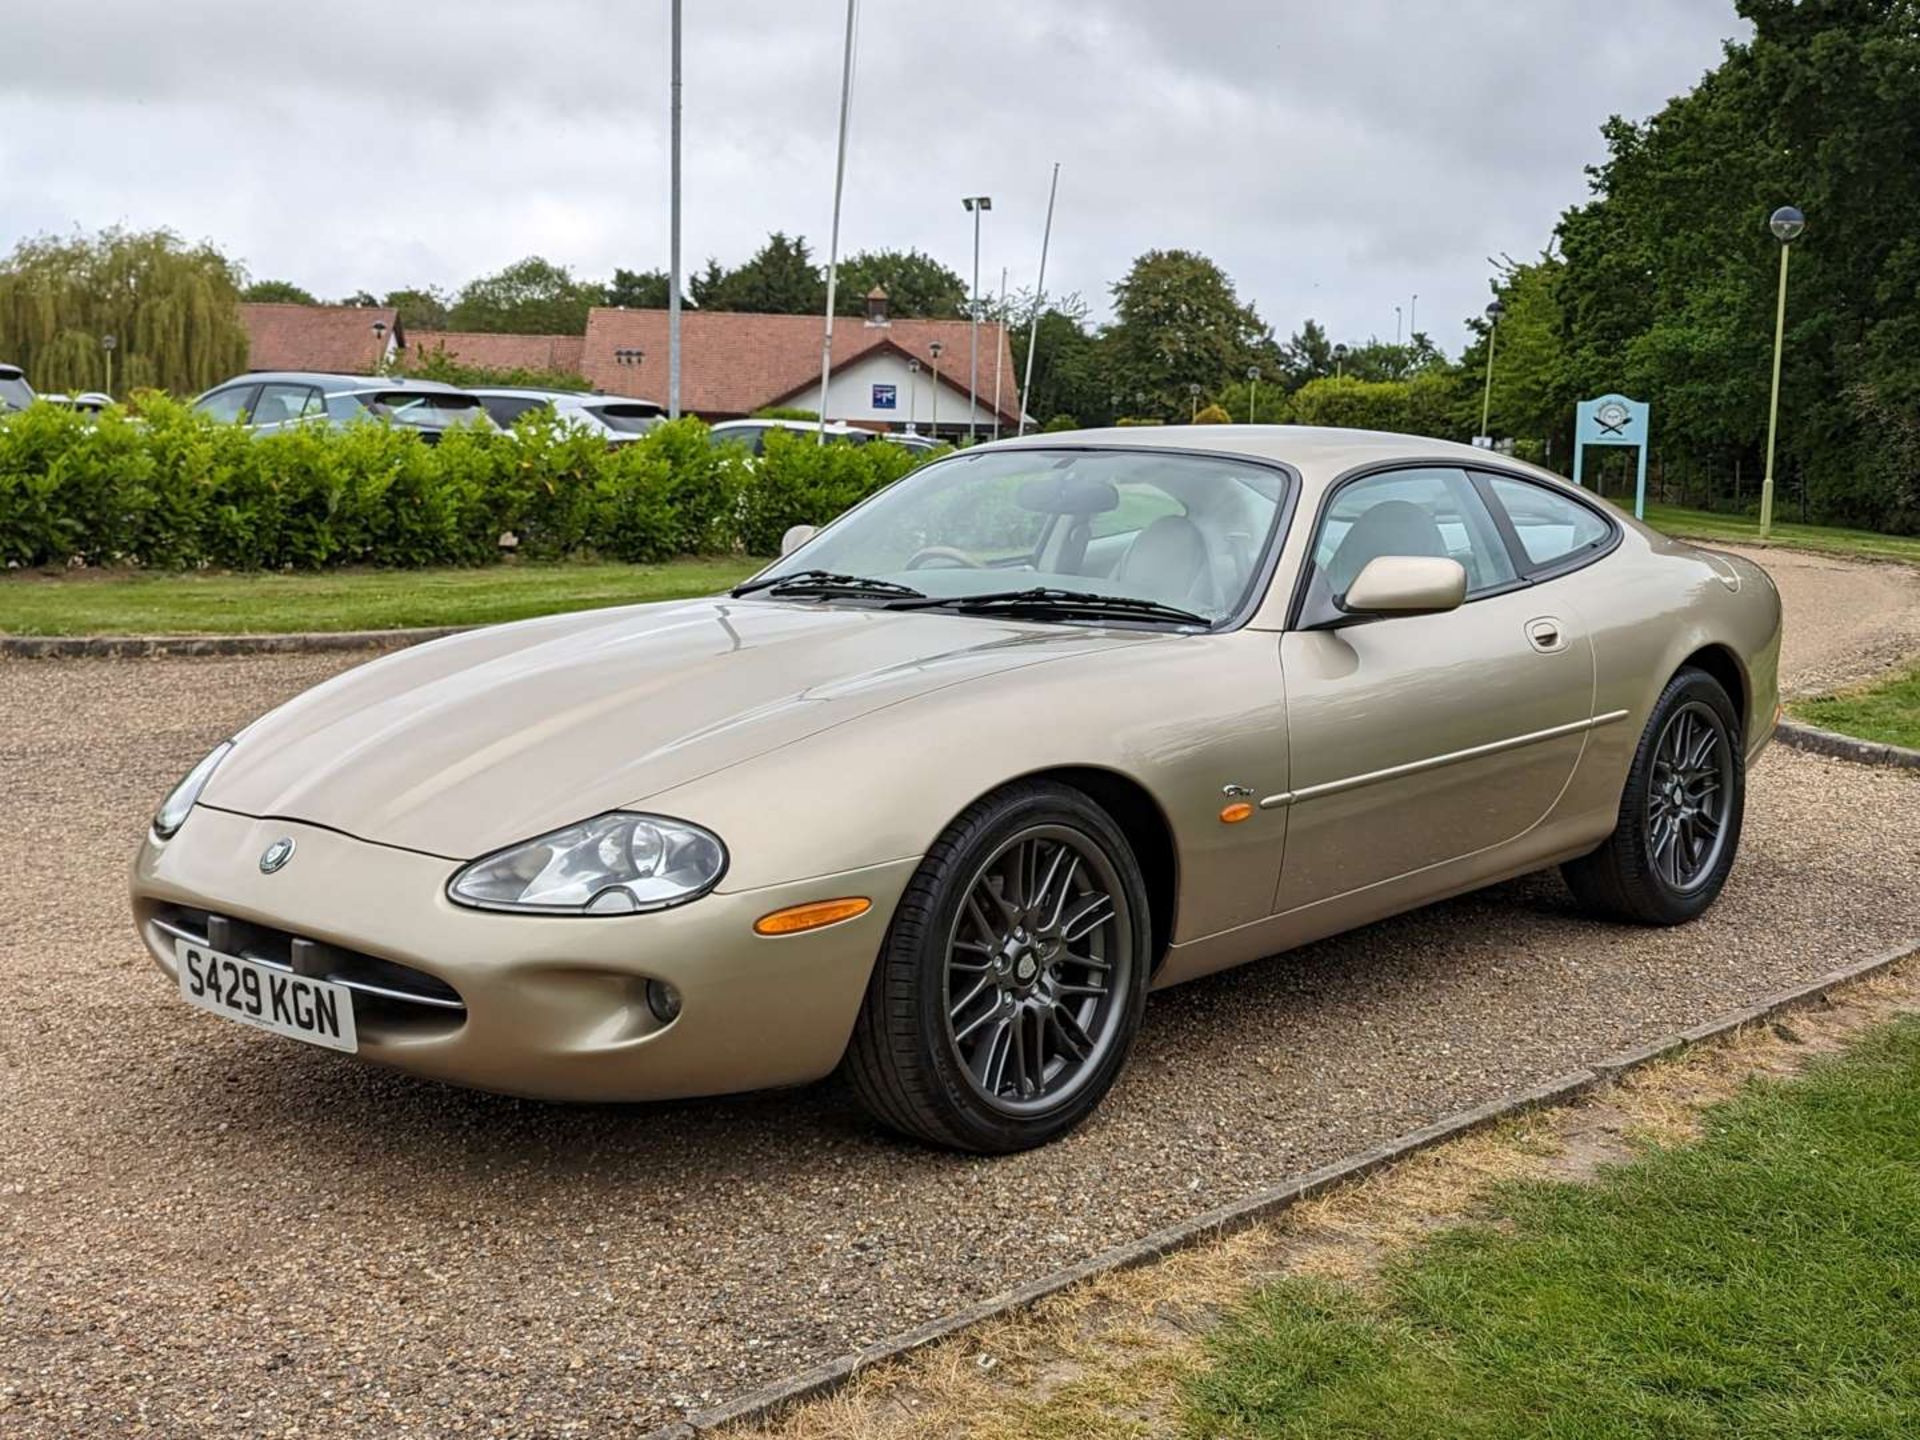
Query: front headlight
[173,810]
[613,864]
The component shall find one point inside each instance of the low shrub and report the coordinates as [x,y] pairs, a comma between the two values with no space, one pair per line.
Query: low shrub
[172,489]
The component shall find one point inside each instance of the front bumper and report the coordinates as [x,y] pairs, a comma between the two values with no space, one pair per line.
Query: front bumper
[555,1006]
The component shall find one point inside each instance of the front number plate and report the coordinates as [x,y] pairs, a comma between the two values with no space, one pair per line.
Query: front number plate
[317,1011]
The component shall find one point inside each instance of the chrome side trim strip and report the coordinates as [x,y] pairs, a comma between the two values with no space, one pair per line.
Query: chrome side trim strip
[1435,762]
[365,987]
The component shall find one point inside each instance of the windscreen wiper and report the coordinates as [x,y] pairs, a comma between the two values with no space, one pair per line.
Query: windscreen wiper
[1046,600]
[828,582]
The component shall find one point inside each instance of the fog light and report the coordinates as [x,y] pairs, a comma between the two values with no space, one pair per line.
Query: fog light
[664,1001]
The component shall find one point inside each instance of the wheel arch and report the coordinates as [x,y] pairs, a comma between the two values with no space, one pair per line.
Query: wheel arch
[1724,665]
[1146,827]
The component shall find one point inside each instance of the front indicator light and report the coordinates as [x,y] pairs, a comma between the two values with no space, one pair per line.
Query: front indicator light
[811,916]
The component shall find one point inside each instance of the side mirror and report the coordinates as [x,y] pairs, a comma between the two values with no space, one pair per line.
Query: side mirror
[796,536]
[1406,585]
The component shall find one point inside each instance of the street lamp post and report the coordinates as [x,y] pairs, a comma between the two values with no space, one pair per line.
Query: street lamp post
[1786,224]
[933,427]
[107,342]
[1193,401]
[1253,389]
[673,224]
[1398,316]
[913,396]
[976,205]
[380,339]
[1339,362]
[1413,317]
[1495,309]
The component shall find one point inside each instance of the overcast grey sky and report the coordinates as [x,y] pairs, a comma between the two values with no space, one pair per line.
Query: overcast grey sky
[1336,158]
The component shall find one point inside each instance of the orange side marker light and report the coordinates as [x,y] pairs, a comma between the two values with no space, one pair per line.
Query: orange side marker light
[1236,812]
[811,916]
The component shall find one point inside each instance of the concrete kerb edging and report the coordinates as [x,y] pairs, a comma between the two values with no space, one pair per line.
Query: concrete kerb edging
[812,1384]
[145,647]
[1844,747]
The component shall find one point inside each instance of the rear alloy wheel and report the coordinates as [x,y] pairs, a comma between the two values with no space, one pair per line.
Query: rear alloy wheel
[1679,820]
[1013,976]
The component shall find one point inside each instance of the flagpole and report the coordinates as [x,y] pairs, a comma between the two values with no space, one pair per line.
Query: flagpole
[1039,299]
[833,243]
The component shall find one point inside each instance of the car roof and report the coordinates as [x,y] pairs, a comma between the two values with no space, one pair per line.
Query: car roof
[834,427]
[1318,452]
[339,384]
[534,392]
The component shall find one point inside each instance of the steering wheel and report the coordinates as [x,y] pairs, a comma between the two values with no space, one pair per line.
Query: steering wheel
[956,559]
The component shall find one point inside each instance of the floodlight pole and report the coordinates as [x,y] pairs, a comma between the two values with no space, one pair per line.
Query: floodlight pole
[833,242]
[999,349]
[1495,310]
[1786,224]
[1039,298]
[975,204]
[673,240]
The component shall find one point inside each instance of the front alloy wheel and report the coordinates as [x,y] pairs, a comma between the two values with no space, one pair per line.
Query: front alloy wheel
[1013,977]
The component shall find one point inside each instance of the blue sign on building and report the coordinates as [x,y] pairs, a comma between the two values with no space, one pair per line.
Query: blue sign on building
[886,397]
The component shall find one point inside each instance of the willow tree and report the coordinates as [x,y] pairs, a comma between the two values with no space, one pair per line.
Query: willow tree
[171,308]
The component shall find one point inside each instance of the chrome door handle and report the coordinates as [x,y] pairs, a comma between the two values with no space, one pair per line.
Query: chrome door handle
[1546,635]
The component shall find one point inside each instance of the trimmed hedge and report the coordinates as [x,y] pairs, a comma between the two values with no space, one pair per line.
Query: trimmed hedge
[172,489]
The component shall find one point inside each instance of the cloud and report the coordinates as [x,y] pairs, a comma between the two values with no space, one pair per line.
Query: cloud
[1335,159]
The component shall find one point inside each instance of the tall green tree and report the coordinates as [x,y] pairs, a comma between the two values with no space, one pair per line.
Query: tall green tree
[172,308]
[1178,323]
[918,286]
[780,279]
[1668,290]
[277,292]
[641,289]
[533,296]
[1068,376]
[425,308]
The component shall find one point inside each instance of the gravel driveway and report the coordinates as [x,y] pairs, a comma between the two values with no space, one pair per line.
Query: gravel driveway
[207,1231]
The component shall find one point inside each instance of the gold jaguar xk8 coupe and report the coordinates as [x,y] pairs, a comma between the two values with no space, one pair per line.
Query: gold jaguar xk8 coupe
[942,794]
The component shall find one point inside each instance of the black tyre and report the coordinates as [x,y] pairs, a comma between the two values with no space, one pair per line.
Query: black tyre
[1012,980]
[1679,823]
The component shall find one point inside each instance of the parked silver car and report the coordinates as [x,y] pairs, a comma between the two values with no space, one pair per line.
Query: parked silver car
[617,418]
[15,392]
[274,400]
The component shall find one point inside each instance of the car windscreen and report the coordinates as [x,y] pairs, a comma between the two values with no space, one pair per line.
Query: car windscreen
[1184,529]
[427,409]
[627,419]
[15,393]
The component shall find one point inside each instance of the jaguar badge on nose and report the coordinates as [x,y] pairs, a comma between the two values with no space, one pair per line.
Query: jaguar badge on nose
[276,855]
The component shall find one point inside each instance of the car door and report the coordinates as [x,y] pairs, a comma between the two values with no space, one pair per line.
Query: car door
[1415,740]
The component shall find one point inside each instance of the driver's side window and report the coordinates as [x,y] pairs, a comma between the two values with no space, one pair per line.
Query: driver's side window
[1427,512]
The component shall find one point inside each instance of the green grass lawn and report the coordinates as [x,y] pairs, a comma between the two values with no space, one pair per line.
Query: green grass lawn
[1888,712]
[1741,530]
[167,604]
[1764,1281]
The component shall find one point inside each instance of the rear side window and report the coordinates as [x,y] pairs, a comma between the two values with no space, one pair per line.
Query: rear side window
[754,437]
[429,409]
[1551,527]
[503,410]
[15,393]
[282,404]
[627,419]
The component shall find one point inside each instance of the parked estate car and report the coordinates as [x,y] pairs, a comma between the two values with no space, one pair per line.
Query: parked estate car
[753,433]
[276,399]
[619,418]
[15,392]
[943,793]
